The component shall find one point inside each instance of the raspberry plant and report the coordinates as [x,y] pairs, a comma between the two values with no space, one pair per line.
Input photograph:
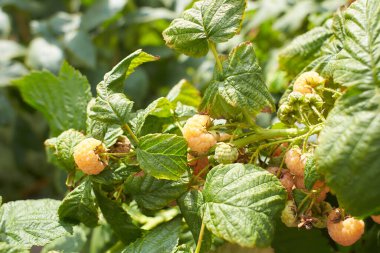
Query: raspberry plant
[200,166]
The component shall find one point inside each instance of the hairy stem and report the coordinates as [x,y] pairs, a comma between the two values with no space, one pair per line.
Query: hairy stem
[200,238]
[129,130]
[269,134]
[216,56]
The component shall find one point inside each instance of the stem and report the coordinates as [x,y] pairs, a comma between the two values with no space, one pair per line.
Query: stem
[200,239]
[321,117]
[216,56]
[269,134]
[129,130]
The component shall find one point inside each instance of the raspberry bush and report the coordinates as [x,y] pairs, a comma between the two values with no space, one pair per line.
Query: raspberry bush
[193,173]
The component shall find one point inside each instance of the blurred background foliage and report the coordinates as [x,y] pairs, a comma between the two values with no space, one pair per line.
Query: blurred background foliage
[93,35]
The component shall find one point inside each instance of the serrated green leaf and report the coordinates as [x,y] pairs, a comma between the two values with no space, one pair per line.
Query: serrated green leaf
[100,130]
[208,20]
[358,64]
[114,80]
[154,194]
[162,239]
[61,99]
[300,241]
[185,93]
[151,119]
[349,149]
[31,222]
[116,174]
[79,206]
[190,203]
[64,148]
[162,156]
[6,248]
[242,202]
[71,243]
[241,86]
[113,109]
[311,173]
[303,50]
[119,220]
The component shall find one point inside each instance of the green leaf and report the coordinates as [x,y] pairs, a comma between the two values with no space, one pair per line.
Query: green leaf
[358,64]
[242,202]
[79,206]
[71,243]
[163,156]
[185,93]
[162,239]
[208,20]
[348,154]
[79,45]
[113,109]
[31,222]
[190,203]
[117,173]
[145,119]
[64,148]
[100,11]
[114,80]
[154,194]
[303,50]
[100,130]
[300,241]
[61,99]
[6,248]
[119,220]
[241,86]
[311,173]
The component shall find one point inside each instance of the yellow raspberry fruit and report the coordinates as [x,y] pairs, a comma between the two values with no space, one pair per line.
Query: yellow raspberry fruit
[196,134]
[376,218]
[306,81]
[86,156]
[295,162]
[344,232]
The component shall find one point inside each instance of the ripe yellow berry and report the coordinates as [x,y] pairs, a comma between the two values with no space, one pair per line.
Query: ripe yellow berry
[285,178]
[196,134]
[306,81]
[376,218]
[295,162]
[86,156]
[344,231]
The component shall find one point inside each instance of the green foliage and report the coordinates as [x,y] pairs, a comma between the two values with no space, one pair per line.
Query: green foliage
[184,93]
[73,243]
[26,223]
[311,173]
[162,155]
[303,50]
[190,204]
[351,141]
[358,63]
[241,203]
[61,99]
[208,21]
[154,194]
[119,220]
[162,239]
[79,206]
[238,88]
[63,147]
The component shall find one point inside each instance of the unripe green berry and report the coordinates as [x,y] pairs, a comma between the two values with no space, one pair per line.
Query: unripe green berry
[314,100]
[296,98]
[286,114]
[289,214]
[226,153]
